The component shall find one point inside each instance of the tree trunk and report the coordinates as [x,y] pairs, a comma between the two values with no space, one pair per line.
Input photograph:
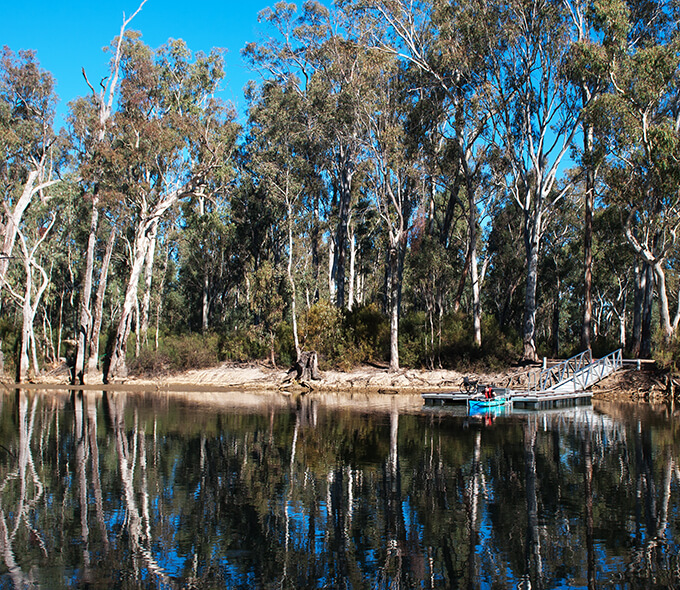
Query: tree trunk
[648,302]
[531,242]
[14,220]
[345,201]
[556,317]
[395,292]
[30,302]
[118,367]
[143,236]
[79,371]
[664,311]
[638,304]
[474,275]
[463,277]
[352,267]
[161,289]
[205,303]
[588,240]
[98,307]
[291,279]
[148,278]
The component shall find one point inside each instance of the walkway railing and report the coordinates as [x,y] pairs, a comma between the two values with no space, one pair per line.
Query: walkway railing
[576,374]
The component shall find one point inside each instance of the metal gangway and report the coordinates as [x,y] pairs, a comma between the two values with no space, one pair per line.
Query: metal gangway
[577,373]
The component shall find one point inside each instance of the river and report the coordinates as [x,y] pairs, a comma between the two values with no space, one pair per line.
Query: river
[122,490]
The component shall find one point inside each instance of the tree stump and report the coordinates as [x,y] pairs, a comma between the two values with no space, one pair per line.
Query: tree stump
[306,367]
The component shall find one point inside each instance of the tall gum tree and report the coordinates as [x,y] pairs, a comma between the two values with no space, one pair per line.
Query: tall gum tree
[448,45]
[27,102]
[534,125]
[395,175]
[647,181]
[168,141]
[311,52]
[281,162]
[90,134]
[587,69]
[640,120]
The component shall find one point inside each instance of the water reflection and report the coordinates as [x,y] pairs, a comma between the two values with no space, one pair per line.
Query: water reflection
[129,491]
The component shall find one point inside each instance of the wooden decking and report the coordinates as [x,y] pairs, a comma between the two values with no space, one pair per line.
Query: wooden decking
[566,384]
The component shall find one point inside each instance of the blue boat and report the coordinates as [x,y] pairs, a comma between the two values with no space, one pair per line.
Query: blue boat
[483,403]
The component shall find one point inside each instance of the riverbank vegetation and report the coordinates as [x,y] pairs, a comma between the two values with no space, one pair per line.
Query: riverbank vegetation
[430,184]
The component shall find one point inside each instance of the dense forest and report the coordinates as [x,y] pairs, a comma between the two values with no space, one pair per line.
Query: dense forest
[429,183]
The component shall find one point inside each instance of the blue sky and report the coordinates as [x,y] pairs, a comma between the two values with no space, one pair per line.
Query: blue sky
[69,35]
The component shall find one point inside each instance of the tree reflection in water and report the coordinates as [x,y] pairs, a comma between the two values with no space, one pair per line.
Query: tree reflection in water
[129,491]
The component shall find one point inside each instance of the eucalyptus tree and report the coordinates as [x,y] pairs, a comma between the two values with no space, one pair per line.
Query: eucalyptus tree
[394,177]
[88,122]
[27,139]
[641,119]
[168,139]
[534,125]
[32,289]
[280,163]
[587,68]
[315,55]
[449,46]
[28,169]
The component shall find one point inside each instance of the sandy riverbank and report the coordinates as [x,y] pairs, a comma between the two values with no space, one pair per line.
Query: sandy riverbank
[627,383]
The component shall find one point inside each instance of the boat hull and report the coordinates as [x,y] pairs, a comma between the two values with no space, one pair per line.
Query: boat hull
[482,404]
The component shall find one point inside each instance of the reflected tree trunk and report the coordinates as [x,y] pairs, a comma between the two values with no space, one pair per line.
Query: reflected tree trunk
[96,474]
[130,453]
[588,485]
[80,467]
[30,493]
[534,564]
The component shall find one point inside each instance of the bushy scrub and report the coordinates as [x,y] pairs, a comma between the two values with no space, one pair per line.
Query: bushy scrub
[242,345]
[369,330]
[176,354]
[320,329]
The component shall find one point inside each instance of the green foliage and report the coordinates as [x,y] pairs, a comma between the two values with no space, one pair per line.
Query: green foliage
[176,354]
[9,342]
[321,330]
[369,330]
[242,345]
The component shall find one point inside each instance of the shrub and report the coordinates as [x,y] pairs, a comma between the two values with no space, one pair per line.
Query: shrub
[369,331]
[320,329]
[176,354]
[242,345]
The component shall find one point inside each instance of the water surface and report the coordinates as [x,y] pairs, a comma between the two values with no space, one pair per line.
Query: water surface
[125,490]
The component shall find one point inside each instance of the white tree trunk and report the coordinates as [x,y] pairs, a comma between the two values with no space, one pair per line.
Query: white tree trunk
[98,313]
[352,267]
[29,303]
[291,279]
[395,288]
[79,372]
[148,278]
[144,235]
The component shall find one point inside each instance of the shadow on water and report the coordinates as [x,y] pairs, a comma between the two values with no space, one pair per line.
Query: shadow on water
[114,489]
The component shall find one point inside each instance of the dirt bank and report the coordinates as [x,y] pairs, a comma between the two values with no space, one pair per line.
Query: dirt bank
[626,384]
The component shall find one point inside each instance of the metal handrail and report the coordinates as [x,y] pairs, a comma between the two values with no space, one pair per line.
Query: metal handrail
[579,369]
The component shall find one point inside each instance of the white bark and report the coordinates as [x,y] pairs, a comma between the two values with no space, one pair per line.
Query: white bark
[86,295]
[30,300]
[15,216]
[291,278]
[96,325]
[148,277]
[144,235]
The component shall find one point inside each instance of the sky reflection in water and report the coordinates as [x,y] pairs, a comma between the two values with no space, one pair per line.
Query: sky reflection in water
[136,491]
